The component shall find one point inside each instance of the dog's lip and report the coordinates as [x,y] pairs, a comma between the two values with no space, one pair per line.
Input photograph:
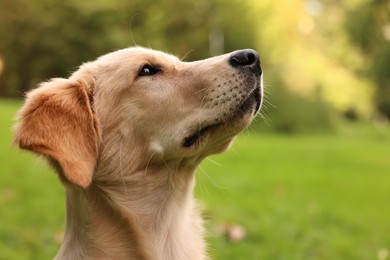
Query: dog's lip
[197,135]
[254,97]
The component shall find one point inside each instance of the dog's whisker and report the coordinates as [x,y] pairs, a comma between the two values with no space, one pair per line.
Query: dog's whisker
[131,30]
[200,181]
[211,180]
[214,162]
[120,165]
[218,142]
[147,163]
[186,54]
[167,166]
[201,90]
[268,103]
[202,103]
[265,118]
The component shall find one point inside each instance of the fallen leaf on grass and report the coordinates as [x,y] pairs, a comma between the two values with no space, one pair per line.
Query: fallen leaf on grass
[234,232]
[58,237]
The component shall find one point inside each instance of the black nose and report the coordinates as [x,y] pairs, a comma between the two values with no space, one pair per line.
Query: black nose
[245,58]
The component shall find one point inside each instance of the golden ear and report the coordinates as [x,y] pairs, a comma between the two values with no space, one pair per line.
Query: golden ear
[57,121]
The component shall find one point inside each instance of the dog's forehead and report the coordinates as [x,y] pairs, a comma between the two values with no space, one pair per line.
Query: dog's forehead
[139,55]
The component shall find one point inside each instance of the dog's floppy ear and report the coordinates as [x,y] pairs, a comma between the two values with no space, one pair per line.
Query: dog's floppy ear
[57,121]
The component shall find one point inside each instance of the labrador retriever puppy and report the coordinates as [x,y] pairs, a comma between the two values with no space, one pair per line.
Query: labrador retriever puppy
[126,133]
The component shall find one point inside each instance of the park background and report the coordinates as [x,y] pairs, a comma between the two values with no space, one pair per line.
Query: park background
[309,180]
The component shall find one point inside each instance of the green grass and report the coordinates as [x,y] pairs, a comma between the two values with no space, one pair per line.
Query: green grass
[297,197]
[31,198]
[321,197]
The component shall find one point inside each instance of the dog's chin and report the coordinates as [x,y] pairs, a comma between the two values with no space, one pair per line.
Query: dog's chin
[227,127]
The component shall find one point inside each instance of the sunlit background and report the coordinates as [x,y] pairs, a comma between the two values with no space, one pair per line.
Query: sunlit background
[309,180]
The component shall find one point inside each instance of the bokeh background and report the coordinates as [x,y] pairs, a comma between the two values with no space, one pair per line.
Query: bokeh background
[309,180]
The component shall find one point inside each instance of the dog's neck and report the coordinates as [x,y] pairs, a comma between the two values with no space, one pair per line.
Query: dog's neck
[148,214]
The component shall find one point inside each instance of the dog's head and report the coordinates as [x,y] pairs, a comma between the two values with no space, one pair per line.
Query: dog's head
[140,103]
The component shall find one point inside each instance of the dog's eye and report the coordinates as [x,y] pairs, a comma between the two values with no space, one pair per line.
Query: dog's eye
[148,70]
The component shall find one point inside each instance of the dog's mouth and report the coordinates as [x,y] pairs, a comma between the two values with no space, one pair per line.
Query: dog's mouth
[195,137]
[251,105]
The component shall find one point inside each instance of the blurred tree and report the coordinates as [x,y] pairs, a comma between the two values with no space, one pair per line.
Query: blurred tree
[44,39]
[305,41]
[368,27]
[312,62]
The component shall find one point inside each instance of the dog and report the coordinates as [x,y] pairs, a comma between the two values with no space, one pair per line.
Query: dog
[125,133]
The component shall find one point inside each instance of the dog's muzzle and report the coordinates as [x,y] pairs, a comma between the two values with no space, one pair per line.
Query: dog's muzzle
[247,64]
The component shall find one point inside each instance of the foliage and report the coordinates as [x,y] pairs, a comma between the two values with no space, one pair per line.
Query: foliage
[325,57]
[307,53]
[368,28]
[288,113]
[300,197]
[40,40]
